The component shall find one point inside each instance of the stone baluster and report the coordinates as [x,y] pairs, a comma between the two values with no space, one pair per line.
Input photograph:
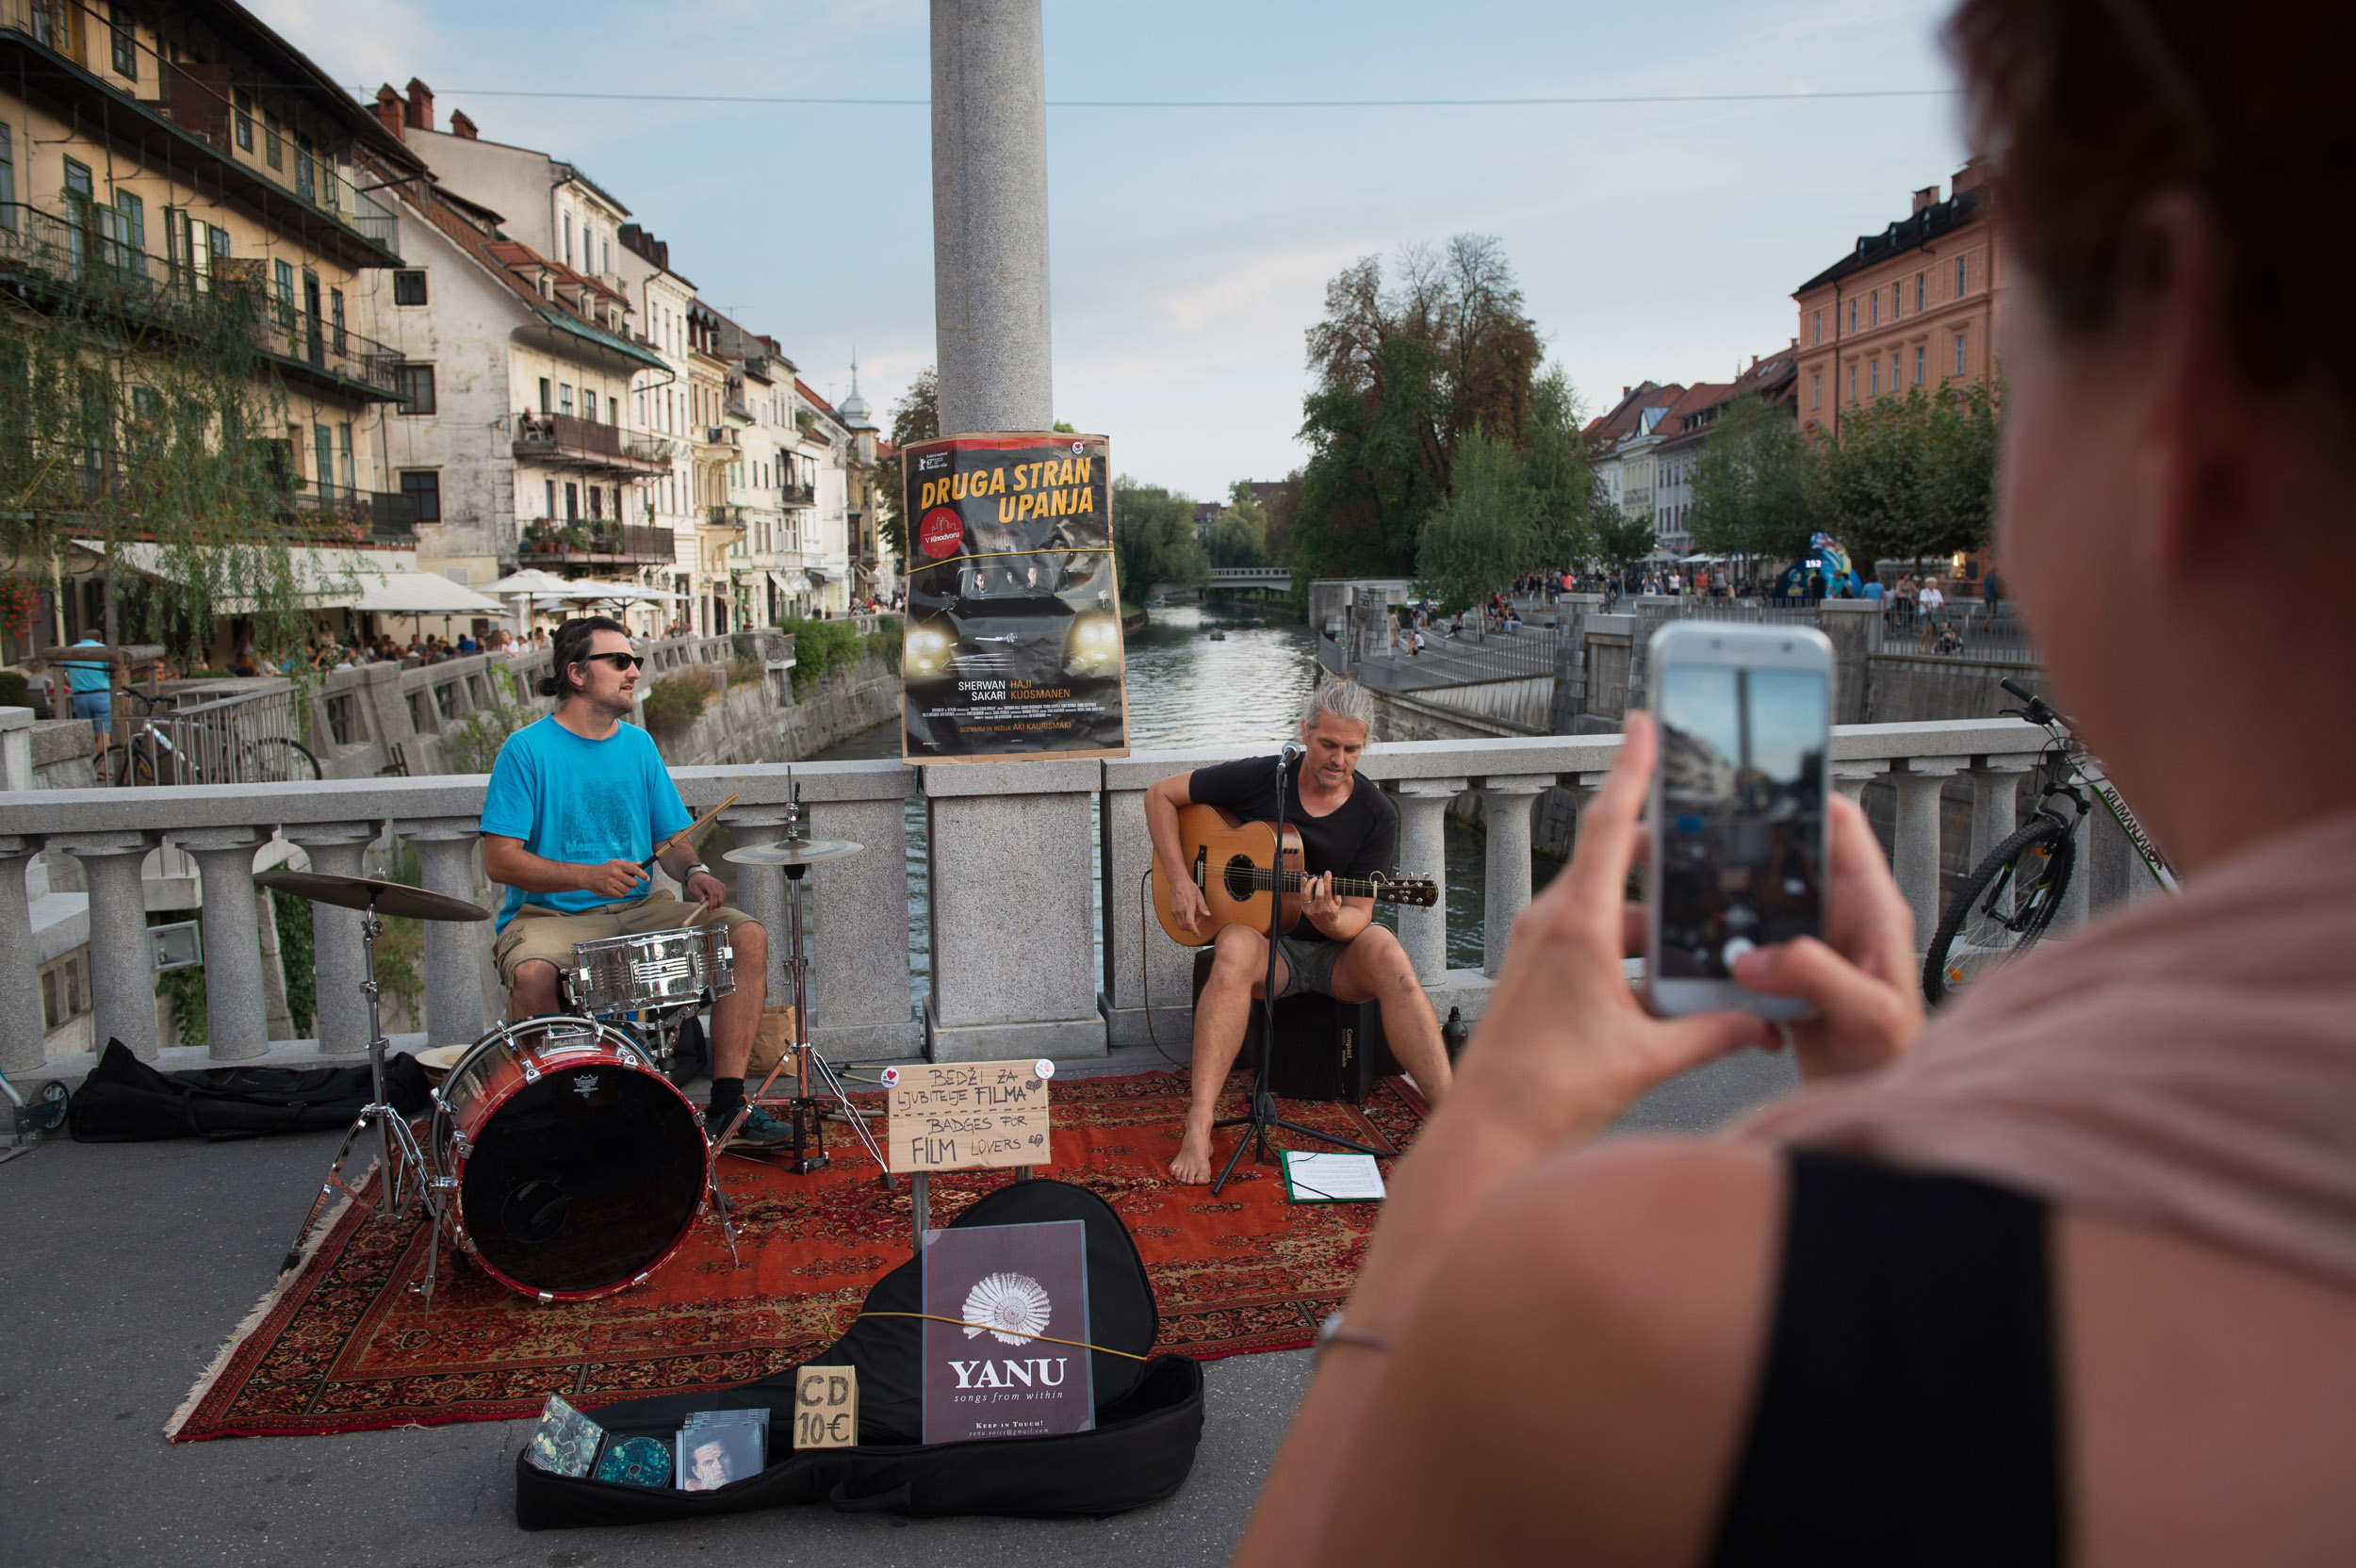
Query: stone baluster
[340,1008]
[20,1020]
[1851,777]
[2077,899]
[454,948]
[122,968]
[1423,852]
[1995,802]
[1916,853]
[1505,805]
[237,1015]
[760,893]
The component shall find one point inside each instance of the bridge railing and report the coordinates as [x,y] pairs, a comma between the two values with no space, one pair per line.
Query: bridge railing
[1013,921]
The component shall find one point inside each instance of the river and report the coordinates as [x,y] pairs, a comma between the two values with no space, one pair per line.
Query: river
[1187,690]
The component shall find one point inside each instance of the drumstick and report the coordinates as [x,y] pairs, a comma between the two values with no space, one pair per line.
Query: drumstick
[688,832]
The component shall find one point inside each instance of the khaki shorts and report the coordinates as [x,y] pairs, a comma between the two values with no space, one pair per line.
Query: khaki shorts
[549,935]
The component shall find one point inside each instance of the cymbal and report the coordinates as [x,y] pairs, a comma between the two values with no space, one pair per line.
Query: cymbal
[792,852]
[361,892]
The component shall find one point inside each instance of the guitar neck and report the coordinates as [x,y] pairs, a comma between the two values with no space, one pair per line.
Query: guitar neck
[1344,887]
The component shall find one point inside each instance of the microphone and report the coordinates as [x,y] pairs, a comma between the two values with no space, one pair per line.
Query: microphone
[1289,757]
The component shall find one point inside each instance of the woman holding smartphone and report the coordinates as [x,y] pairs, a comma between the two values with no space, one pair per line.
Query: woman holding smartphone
[2070,1275]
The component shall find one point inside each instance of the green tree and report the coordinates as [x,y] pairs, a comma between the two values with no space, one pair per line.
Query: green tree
[1489,531]
[1621,541]
[1239,537]
[1751,484]
[915,417]
[1911,476]
[1153,538]
[1561,479]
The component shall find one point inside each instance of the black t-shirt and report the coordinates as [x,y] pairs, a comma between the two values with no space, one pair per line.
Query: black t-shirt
[1357,840]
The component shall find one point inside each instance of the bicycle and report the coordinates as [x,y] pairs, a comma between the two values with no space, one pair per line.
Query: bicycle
[151,757]
[2010,899]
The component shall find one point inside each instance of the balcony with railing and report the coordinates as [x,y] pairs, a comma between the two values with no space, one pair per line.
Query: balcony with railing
[597,544]
[797,495]
[378,516]
[736,519]
[565,440]
[88,260]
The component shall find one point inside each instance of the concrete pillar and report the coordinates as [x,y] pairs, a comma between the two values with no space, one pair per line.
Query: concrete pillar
[122,968]
[340,1014]
[859,986]
[16,748]
[1649,611]
[1850,778]
[237,1015]
[1851,625]
[1141,964]
[1916,858]
[1423,852]
[1995,802]
[454,948]
[21,1030]
[989,215]
[760,893]
[1505,807]
[1013,957]
[1570,660]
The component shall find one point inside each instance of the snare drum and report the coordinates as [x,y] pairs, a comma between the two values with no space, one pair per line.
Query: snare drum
[578,1168]
[652,970]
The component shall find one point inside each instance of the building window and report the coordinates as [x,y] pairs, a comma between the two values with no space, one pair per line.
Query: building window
[1820,326]
[568,239]
[286,293]
[344,472]
[1960,276]
[1873,309]
[1922,285]
[564,398]
[1816,391]
[8,178]
[245,105]
[1919,351]
[1873,379]
[548,508]
[1853,382]
[219,249]
[335,316]
[323,453]
[423,486]
[409,286]
[589,404]
[605,256]
[597,503]
[126,43]
[544,405]
[572,501]
[1893,369]
[1958,355]
[271,153]
[415,383]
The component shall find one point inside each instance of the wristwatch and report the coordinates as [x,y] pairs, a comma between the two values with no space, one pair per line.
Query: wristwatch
[691,871]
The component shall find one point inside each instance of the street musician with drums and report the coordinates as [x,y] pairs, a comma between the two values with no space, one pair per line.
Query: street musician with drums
[575,805]
[1346,827]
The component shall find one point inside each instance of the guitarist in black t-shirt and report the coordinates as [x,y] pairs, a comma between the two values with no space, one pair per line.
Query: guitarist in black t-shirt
[1346,827]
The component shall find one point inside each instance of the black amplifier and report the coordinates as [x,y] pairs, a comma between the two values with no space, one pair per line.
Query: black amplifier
[1325,1049]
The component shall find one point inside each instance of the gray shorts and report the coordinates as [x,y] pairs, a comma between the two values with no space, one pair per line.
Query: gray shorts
[1308,966]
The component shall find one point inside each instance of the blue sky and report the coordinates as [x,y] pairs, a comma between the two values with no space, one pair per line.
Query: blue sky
[1191,248]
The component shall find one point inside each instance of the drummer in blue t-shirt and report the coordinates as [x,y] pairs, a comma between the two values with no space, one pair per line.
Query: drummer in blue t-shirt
[575,805]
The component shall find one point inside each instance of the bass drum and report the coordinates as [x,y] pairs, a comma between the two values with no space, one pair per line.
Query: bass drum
[576,1169]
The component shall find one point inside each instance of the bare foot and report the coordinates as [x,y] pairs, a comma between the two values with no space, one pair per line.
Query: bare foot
[1192,1168]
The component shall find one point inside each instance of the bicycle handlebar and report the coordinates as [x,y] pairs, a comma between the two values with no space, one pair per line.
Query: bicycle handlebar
[2018,690]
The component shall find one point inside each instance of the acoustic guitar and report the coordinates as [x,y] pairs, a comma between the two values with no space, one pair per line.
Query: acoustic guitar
[1234,863]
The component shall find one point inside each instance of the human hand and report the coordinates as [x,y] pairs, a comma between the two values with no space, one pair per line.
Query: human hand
[1187,905]
[612,880]
[1565,1045]
[1316,899]
[706,890]
[1862,978]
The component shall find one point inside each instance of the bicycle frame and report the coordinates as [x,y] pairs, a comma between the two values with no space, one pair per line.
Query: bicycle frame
[2072,770]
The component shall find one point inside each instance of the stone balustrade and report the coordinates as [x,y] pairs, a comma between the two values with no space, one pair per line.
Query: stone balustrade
[1013,874]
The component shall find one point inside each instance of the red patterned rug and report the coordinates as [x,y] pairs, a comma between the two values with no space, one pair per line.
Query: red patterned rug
[342,1344]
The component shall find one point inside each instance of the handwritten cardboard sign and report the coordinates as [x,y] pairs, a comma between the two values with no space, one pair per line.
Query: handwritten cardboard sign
[967,1116]
[826,1408]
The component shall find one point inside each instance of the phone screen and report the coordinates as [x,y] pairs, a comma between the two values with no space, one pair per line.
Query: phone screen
[1743,813]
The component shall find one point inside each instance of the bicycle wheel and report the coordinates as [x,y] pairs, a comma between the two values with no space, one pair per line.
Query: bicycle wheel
[119,764]
[274,760]
[2010,900]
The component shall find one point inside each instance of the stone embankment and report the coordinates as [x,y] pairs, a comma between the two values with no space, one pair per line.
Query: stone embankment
[746,722]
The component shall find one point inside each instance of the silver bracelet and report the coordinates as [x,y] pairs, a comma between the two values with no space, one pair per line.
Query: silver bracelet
[1331,1332]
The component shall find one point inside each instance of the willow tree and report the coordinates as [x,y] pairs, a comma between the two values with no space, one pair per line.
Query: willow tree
[137,410]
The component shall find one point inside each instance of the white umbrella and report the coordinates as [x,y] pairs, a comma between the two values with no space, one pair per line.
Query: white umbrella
[531,580]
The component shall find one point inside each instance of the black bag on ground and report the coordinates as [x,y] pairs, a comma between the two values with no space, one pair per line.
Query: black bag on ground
[1148,1414]
[126,1101]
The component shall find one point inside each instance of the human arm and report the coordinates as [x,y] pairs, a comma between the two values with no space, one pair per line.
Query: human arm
[701,886]
[507,862]
[1162,801]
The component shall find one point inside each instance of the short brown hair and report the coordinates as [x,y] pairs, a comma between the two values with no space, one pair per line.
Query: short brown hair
[2091,107]
[572,648]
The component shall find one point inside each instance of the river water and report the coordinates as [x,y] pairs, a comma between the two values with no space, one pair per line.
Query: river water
[1187,690]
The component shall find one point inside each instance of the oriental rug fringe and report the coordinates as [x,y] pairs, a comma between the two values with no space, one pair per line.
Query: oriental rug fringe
[342,1344]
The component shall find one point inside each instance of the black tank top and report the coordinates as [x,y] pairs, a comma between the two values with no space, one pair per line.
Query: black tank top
[1907,1412]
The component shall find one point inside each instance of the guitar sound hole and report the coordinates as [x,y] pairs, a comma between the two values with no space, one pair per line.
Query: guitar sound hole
[1238,878]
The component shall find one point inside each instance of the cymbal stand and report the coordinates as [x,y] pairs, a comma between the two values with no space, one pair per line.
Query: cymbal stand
[406,1173]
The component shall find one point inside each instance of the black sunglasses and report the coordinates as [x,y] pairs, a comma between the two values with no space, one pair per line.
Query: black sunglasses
[619,660]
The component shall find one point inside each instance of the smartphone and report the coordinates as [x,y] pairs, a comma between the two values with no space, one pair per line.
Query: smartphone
[1738,837]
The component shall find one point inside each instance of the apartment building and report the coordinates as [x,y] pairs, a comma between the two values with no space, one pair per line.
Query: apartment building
[1621,442]
[1915,305]
[153,159]
[663,299]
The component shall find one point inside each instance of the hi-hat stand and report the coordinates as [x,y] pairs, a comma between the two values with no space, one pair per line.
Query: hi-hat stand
[1264,1115]
[407,1175]
[815,1079]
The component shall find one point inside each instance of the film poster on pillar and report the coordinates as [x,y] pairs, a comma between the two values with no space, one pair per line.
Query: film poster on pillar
[1013,645]
[1006,1332]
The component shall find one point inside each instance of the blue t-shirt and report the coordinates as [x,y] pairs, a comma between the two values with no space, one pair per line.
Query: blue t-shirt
[1873,590]
[89,675]
[583,802]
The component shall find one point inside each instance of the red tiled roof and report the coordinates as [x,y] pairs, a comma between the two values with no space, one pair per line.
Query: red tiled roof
[814,400]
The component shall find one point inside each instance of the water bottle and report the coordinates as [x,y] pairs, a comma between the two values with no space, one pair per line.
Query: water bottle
[1454,1033]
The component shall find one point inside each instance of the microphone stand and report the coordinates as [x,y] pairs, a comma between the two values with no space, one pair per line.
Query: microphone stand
[1263,1114]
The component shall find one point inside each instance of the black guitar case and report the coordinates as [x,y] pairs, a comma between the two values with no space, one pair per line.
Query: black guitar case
[1148,1414]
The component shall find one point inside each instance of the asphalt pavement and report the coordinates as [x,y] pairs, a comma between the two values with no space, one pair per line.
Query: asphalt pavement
[123,1267]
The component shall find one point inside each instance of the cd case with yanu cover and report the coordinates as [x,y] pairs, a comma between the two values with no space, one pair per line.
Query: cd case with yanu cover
[1011,1360]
